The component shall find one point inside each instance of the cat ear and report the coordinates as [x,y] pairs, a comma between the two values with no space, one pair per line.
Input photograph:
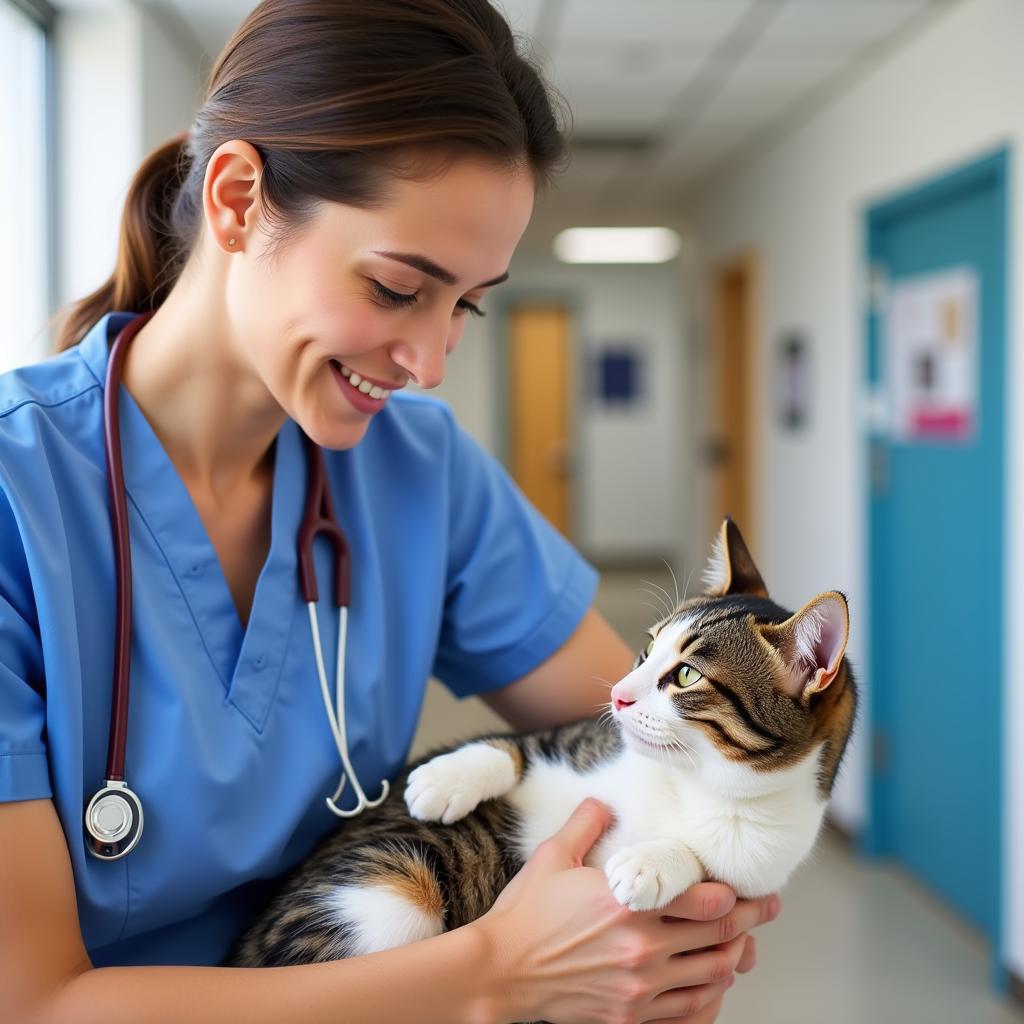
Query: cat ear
[731,569]
[812,642]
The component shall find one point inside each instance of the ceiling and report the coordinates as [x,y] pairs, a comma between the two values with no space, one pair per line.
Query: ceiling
[665,94]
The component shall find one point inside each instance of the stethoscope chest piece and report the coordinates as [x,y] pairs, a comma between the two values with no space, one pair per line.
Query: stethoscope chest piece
[113,821]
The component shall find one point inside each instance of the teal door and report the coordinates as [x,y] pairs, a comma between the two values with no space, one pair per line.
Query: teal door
[936,371]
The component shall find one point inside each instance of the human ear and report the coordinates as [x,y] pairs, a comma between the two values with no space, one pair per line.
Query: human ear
[231,193]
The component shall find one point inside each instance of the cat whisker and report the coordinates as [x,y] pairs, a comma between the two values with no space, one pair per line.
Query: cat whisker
[686,589]
[657,597]
[674,582]
[660,612]
[662,590]
[678,744]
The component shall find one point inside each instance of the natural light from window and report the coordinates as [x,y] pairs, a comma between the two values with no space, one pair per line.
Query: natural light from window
[23,190]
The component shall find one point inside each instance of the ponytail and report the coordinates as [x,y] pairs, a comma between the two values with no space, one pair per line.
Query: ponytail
[150,253]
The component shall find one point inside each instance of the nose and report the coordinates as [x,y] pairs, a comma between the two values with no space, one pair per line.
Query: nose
[620,703]
[423,358]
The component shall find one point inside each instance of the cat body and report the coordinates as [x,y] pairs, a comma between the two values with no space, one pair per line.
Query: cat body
[717,755]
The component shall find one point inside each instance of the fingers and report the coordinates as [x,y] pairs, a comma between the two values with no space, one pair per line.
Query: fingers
[748,958]
[572,842]
[706,967]
[705,901]
[699,1005]
[684,936]
[709,1014]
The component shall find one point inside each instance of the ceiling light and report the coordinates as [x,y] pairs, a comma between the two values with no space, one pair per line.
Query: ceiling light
[616,245]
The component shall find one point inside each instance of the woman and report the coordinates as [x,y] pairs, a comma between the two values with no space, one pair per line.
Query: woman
[355,181]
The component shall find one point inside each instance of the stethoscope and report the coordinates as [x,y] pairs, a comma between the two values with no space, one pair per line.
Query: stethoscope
[113,817]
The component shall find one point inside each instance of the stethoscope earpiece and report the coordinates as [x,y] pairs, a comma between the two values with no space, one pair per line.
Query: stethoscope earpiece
[113,821]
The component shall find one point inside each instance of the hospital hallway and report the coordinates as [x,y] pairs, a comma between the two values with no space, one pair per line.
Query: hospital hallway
[882,949]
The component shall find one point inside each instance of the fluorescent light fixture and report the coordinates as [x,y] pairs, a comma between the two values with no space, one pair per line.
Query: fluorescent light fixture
[616,245]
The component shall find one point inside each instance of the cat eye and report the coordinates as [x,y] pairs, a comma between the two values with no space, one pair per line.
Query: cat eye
[688,675]
[648,649]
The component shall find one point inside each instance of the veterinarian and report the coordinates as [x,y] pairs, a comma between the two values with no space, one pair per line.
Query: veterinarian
[354,183]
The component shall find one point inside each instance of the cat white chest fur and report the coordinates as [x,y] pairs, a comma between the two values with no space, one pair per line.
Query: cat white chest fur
[741,832]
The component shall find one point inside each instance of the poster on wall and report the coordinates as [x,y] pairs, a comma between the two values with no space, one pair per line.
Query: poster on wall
[619,373]
[931,356]
[793,383]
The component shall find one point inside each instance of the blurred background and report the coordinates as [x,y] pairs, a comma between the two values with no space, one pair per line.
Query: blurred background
[823,339]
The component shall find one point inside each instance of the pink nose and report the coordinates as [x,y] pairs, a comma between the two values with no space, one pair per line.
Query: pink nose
[620,703]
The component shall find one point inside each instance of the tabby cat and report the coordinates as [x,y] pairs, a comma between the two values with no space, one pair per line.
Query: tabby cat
[717,754]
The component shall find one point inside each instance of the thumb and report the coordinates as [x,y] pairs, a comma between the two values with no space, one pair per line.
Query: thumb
[572,842]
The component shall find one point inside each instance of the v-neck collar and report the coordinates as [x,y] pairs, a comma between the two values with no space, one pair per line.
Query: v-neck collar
[247,661]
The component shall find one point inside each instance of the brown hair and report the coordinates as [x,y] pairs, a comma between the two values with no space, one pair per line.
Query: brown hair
[333,94]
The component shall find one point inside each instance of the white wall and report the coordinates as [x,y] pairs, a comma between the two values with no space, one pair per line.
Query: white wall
[954,93]
[110,114]
[627,460]
[98,139]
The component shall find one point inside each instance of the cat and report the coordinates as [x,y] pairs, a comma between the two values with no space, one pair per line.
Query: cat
[717,754]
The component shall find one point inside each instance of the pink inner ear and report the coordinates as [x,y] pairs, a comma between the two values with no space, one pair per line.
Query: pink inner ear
[821,640]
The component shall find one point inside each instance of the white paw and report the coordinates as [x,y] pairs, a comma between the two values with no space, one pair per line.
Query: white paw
[651,875]
[449,786]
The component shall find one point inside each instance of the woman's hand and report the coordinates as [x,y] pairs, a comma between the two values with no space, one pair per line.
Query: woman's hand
[566,951]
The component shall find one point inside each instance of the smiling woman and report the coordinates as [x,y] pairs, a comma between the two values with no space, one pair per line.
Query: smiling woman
[357,177]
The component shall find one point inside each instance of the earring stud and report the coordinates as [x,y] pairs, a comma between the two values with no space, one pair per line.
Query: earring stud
[231,241]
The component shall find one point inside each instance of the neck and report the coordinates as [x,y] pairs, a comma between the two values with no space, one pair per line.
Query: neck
[189,375]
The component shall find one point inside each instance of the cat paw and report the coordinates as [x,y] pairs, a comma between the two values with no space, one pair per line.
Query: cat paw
[449,786]
[649,875]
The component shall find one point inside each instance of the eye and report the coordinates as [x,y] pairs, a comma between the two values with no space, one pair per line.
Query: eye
[390,298]
[648,649]
[688,675]
[400,300]
[466,306]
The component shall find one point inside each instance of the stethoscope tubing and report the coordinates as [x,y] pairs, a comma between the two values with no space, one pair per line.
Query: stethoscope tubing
[114,816]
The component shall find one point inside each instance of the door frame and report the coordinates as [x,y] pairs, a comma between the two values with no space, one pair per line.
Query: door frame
[746,263]
[573,302]
[992,169]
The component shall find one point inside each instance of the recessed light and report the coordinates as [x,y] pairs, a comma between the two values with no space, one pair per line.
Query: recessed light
[616,245]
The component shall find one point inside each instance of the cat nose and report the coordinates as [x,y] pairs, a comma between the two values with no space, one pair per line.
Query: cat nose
[620,703]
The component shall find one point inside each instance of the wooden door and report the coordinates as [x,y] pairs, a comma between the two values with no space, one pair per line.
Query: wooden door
[539,414]
[732,448]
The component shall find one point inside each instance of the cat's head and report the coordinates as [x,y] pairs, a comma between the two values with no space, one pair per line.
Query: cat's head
[736,687]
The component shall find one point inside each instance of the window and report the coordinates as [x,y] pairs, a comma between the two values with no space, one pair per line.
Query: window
[25,188]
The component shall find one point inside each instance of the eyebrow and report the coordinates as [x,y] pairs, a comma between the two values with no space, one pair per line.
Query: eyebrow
[428,266]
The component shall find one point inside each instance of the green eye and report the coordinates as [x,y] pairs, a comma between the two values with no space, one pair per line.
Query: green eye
[648,649]
[688,675]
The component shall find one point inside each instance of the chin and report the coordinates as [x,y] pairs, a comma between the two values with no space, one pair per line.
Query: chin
[331,431]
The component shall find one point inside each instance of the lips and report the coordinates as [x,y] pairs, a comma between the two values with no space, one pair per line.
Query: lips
[356,398]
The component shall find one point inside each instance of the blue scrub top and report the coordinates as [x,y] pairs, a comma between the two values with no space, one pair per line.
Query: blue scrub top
[454,574]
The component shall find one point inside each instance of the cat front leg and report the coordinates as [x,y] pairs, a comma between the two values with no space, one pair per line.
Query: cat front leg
[649,875]
[449,786]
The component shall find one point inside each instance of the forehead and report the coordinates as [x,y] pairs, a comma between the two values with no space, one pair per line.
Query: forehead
[467,217]
[704,614]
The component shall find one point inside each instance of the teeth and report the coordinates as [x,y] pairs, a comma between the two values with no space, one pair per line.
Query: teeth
[365,386]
